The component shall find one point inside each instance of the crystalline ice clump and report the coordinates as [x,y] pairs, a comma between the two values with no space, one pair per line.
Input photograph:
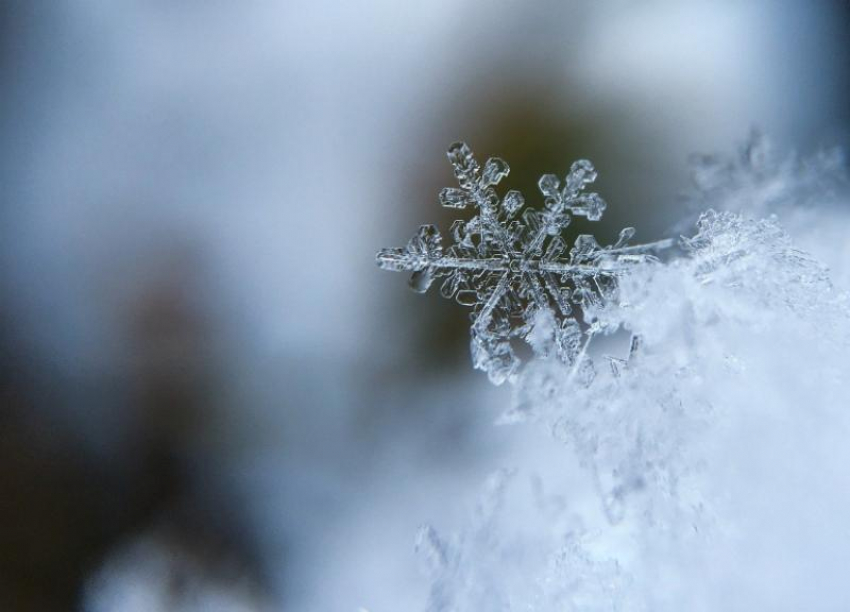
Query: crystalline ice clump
[808,193]
[516,270]
[762,180]
[744,345]
[689,468]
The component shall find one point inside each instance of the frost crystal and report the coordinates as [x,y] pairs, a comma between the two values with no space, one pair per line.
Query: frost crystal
[515,270]
[763,180]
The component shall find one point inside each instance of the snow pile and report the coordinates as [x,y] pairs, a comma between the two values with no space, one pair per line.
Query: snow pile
[704,470]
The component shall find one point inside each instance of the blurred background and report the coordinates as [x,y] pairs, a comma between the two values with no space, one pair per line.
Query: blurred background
[210,397]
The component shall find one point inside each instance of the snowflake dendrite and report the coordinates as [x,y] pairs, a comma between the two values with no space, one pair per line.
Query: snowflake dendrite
[513,266]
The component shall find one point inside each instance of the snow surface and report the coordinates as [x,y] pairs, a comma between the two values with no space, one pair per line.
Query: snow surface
[708,469]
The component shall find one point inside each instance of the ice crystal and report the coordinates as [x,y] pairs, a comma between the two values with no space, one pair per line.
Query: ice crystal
[809,194]
[762,180]
[514,267]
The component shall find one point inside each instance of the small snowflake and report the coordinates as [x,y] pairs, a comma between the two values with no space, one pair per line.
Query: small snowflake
[514,270]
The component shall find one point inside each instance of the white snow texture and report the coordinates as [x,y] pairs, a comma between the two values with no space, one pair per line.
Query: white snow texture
[709,468]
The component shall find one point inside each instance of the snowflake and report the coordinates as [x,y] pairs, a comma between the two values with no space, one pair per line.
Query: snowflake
[514,270]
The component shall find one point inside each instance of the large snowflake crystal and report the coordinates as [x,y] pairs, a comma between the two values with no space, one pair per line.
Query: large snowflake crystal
[516,271]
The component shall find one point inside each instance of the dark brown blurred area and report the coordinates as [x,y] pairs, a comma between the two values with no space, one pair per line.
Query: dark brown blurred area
[63,510]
